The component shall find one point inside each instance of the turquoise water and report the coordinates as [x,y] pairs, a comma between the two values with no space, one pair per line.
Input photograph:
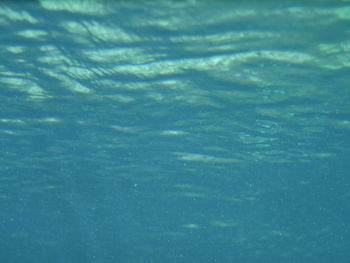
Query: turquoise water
[174,131]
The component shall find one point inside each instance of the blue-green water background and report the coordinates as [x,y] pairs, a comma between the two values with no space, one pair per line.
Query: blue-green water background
[174,131]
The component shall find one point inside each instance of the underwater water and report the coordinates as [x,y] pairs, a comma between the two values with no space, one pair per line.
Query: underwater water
[174,131]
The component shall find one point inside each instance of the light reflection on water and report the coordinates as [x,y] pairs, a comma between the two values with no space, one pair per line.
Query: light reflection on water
[181,128]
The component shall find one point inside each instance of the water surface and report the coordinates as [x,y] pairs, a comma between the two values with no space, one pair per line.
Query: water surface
[174,131]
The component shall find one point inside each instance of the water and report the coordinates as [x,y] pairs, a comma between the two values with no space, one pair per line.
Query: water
[174,131]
